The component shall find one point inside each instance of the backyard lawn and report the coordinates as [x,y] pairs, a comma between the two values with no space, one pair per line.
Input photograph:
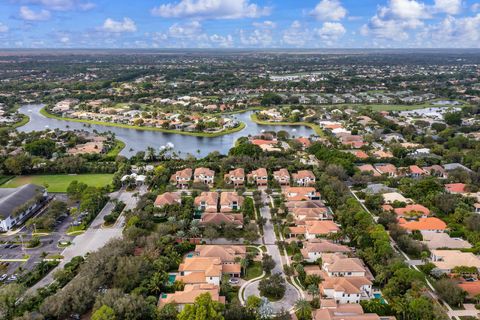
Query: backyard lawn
[59,182]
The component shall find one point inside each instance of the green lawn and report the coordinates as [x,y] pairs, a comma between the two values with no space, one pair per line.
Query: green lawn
[315,127]
[254,270]
[59,182]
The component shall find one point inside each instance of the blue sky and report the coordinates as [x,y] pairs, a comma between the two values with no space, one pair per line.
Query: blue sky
[239,24]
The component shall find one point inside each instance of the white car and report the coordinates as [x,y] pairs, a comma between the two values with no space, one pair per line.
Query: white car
[3,277]
[234,281]
[12,278]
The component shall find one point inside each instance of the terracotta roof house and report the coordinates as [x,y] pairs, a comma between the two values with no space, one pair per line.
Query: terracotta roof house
[368,168]
[320,213]
[259,177]
[230,201]
[360,154]
[412,210]
[301,193]
[339,265]
[305,142]
[304,178]
[235,177]
[416,171]
[167,198]
[387,169]
[456,188]
[182,178]
[431,224]
[345,290]
[282,177]
[471,288]
[207,202]
[189,294]
[317,228]
[345,312]
[226,253]
[446,260]
[315,248]
[204,175]
[208,269]
[222,218]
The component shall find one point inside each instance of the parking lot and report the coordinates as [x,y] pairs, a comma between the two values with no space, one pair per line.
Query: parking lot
[11,248]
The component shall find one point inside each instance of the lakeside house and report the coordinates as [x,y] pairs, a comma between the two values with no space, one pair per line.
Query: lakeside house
[204,175]
[182,178]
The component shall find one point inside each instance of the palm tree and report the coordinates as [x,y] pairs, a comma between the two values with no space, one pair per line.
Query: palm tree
[313,290]
[244,265]
[304,310]
[181,234]
[194,232]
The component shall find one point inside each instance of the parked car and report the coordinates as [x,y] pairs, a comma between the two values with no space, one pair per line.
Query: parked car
[234,281]
[12,278]
[3,277]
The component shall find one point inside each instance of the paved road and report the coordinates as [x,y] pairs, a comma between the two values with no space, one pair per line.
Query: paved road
[95,236]
[269,239]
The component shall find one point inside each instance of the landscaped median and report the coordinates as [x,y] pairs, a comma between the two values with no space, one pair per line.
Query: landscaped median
[315,127]
[240,127]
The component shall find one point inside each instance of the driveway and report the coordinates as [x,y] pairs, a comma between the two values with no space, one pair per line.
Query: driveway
[269,239]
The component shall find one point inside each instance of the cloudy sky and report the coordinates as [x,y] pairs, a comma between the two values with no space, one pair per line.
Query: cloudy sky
[239,23]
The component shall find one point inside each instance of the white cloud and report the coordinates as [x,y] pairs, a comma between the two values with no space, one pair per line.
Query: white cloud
[190,35]
[475,7]
[406,10]
[187,30]
[3,28]
[211,9]
[221,41]
[64,39]
[453,32]
[331,31]
[256,38]
[329,10]
[448,6]
[125,25]
[396,20]
[296,35]
[28,14]
[265,24]
[63,5]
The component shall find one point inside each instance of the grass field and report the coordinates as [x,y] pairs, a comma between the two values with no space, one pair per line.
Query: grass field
[59,182]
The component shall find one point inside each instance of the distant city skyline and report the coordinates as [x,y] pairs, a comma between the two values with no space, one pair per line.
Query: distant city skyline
[240,24]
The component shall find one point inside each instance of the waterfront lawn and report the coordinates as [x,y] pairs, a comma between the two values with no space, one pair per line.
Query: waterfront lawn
[59,182]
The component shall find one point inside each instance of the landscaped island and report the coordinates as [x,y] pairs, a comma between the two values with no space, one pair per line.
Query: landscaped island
[196,125]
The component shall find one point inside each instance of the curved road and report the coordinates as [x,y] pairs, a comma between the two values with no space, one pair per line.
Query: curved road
[269,239]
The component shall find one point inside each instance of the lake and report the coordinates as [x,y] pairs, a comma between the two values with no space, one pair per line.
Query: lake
[139,140]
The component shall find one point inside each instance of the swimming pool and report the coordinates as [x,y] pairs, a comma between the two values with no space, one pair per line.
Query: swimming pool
[378,295]
[190,255]
[171,278]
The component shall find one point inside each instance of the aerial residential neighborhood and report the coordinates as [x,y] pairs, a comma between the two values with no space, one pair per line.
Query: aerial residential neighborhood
[240,160]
